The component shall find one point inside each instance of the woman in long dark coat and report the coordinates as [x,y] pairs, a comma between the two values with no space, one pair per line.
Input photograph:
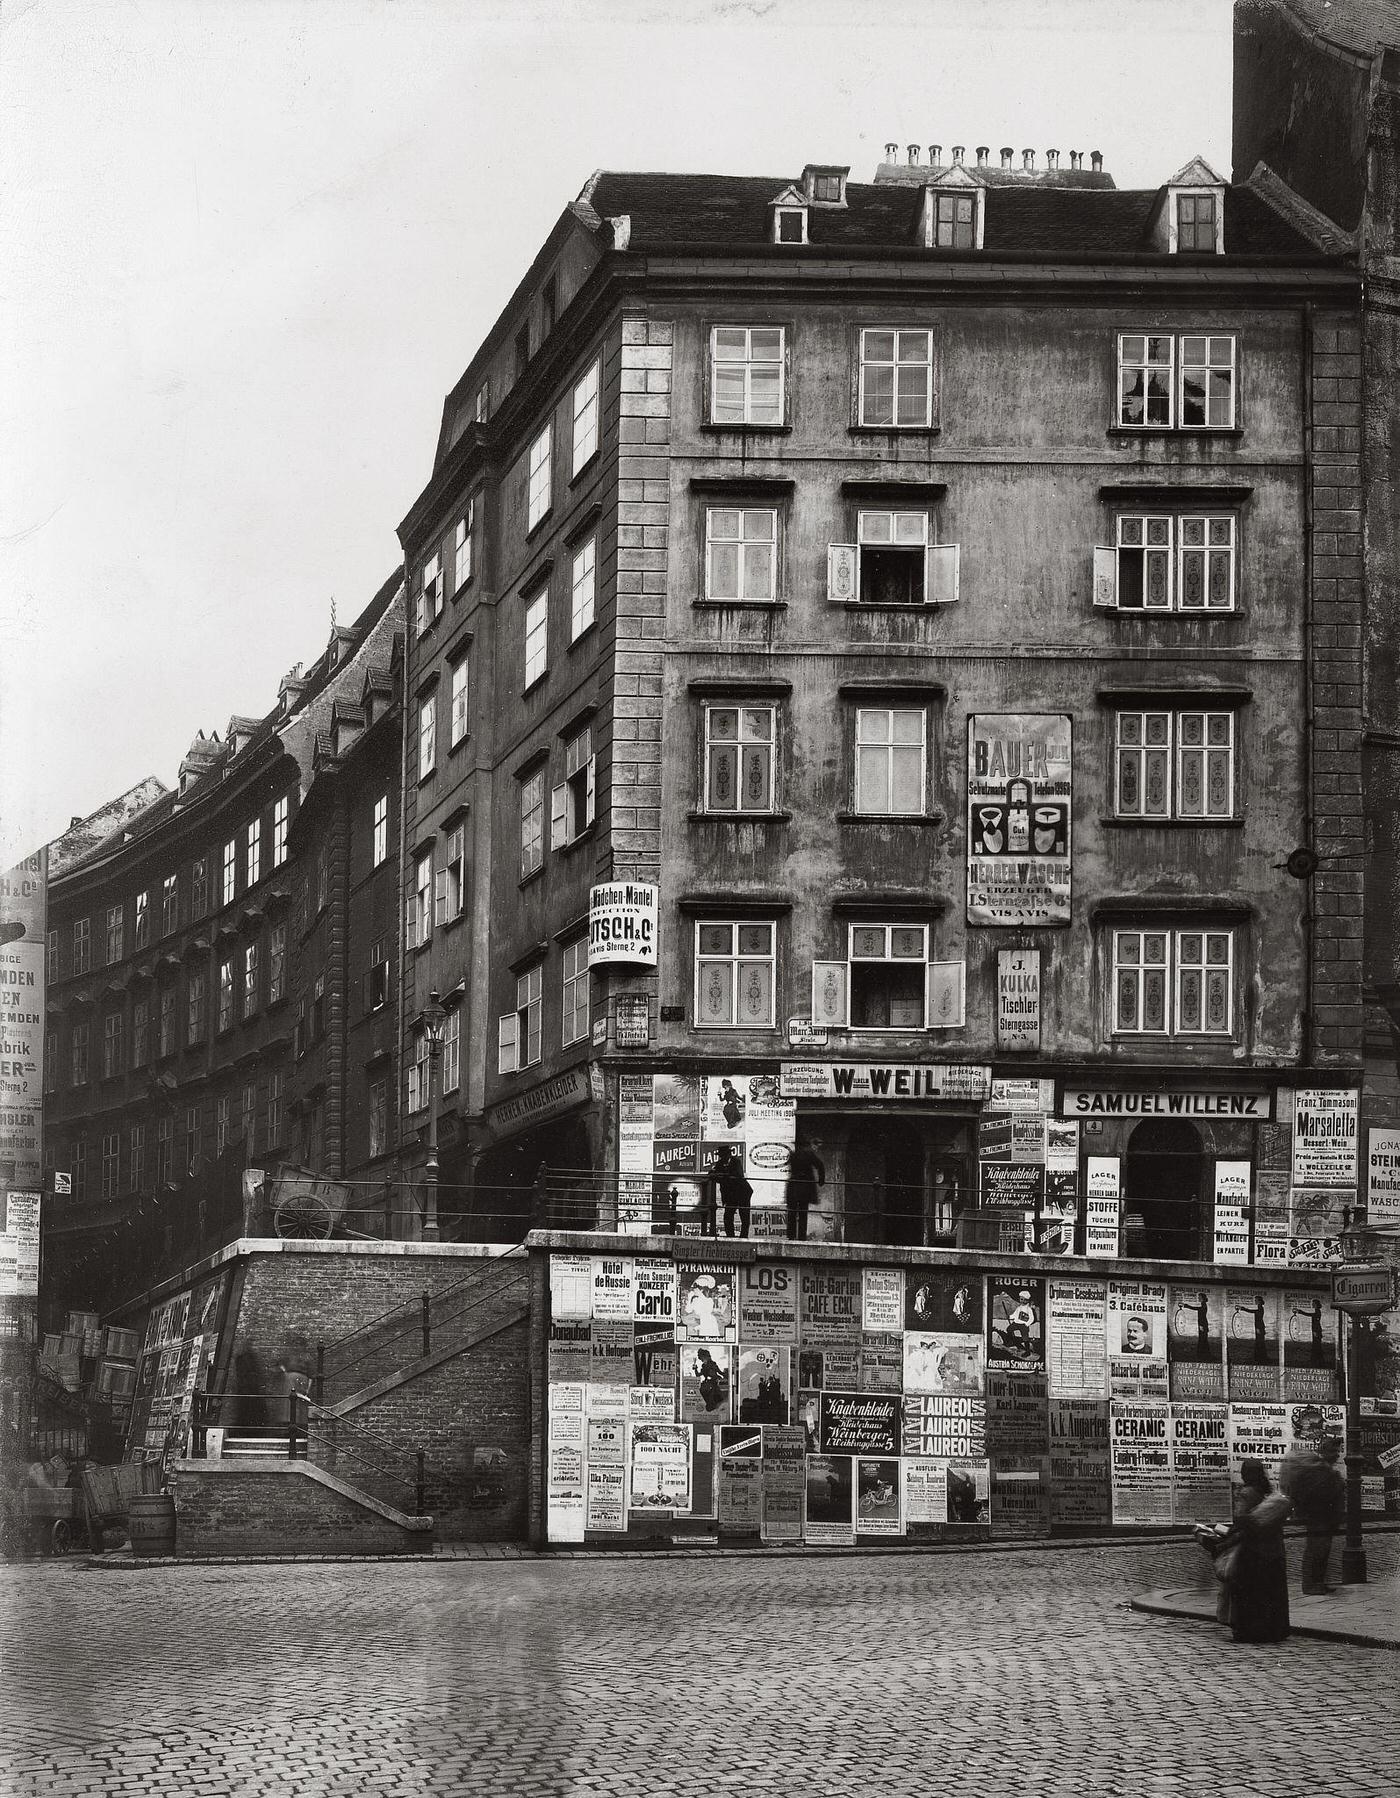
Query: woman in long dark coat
[1258,1584]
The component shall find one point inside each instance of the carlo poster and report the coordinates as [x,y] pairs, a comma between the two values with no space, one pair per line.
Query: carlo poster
[1018,819]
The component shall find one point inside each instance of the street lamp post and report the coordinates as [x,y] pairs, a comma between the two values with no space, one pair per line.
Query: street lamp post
[432,1021]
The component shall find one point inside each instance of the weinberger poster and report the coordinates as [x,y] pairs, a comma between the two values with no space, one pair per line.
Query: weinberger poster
[1018,819]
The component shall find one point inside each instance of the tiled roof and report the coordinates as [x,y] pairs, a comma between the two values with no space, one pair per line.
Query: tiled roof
[1360,25]
[730,212]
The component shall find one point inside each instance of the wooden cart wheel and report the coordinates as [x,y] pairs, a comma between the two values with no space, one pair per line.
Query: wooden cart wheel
[307,1217]
[61,1536]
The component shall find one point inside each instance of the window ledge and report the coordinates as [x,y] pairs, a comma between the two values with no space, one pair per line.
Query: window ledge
[534,874]
[534,685]
[582,639]
[739,605]
[1194,1037]
[858,429]
[451,923]
[1175,431]
[746,430]
[588,465]
[1110,823]
[1194,616]
[1191,697]
[540,522]
[452,749]
[888,605]
[423,780]
[585,835]
[698,816]
[923,819]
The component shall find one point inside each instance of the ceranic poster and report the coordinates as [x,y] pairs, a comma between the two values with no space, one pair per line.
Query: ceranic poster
[1018,819]
[1198,1436]
[1140,1461]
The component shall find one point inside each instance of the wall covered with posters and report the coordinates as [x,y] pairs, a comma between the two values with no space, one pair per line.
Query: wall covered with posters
[788,1394]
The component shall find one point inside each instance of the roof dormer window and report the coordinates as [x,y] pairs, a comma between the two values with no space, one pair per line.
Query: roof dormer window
[824,184]
[953,213]
[788,213]
[1195,211]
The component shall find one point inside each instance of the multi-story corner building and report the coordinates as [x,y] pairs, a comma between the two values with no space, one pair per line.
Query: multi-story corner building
[1301,66]
[180,949]
[922,594]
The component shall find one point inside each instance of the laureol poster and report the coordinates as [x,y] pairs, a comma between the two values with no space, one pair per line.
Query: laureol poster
[1018,819]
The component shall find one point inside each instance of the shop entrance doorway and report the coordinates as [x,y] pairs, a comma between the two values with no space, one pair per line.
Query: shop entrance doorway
[905,1181]
[1162,1182]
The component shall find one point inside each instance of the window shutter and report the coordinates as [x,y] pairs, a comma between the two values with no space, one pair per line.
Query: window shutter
[830,1003]
[592,799]
[507,1034]
[1105,576]
[410,926]
[440,896]
[558,816]
[943,567]
[947,995]
[841,573]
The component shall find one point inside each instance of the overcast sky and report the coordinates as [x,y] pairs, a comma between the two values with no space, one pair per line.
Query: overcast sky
[246,246]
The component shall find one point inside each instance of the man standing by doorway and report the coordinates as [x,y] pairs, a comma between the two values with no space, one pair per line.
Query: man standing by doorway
[805,1176]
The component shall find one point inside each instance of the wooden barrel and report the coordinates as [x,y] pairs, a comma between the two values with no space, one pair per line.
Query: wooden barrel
[150,1522]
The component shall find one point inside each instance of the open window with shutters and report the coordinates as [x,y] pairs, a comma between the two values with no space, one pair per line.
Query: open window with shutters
[378,977]
[893,562]
[430,594]
[573,802]
[1159,561]
[450,882]
[519,1033]
[888,982]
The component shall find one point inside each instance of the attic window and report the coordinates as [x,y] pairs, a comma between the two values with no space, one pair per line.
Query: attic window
[953,218]
[1196,221]
[824,184]
[790,224]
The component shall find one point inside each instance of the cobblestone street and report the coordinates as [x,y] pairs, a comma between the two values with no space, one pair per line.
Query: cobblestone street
[975,1673]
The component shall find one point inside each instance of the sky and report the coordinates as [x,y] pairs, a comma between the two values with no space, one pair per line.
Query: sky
[247,246]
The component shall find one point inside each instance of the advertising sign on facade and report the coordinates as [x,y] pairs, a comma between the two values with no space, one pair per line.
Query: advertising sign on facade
[1141,1462]
[1077,1359]
[1018,998]
[1325,1133]
[1383,1177]
[1018,819]
[631,1021]
[622,923]
[883,1080]
[1196,1342]
[1252,1343]
[1101,1102]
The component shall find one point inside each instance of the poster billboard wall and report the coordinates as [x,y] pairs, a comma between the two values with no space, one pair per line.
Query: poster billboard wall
[1325,1136]
[765,1383]
[878,1496]
[1079,1477]
[1198,1436]
[784,1475]
[1309,1333]
[1077,1356]
[829,1506]
[1015,1323]
[768,1302]
[1136,1324]
[1018,819]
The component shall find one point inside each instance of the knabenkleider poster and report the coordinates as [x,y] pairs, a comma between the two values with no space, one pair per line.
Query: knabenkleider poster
[1140,1461]
[860,1424]
[1018,819]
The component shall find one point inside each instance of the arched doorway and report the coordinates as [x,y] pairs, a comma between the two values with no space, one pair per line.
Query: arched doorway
[1163,1178]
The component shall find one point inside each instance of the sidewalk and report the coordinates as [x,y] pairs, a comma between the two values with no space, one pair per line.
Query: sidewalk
[1366,1616]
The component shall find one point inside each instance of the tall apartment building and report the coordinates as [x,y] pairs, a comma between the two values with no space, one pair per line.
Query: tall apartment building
[191,952]
[923,593]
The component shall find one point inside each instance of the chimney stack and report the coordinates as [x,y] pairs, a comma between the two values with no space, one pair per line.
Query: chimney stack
[913,155]
[935,155]
[1028,160]
[1052,160]
[1096,160]
[891,152]
[959,151]
[983,152]
[1006,154]
[1075,158]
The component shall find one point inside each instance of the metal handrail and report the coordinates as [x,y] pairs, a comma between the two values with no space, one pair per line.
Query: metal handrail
[497,1291]
[393,1310]
[205,1407]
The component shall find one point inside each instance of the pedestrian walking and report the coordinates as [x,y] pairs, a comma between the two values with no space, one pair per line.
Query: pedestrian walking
[1317,1486]
[735,1193]
[805,1175]
[1254,1564]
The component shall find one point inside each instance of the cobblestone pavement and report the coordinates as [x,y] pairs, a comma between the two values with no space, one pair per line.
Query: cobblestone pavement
[1007,1672]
